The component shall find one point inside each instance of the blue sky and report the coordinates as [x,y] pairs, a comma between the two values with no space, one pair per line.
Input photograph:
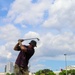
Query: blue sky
[52,21]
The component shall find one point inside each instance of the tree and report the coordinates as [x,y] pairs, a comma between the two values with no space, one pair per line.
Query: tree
[12,74]
[62,72]
[72,72]
[45,72]
[8,74]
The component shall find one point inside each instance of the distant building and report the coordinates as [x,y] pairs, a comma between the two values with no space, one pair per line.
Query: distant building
[71,67]
[9,67]
[57,72]
[31,73]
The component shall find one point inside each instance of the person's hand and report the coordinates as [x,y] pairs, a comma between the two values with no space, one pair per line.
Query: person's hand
[20,41]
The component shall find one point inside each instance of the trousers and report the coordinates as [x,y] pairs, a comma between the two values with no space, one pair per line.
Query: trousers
[20,71]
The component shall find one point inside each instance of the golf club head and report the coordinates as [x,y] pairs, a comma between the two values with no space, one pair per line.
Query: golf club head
[38,39]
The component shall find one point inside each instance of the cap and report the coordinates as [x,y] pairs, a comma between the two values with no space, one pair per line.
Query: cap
[33,43]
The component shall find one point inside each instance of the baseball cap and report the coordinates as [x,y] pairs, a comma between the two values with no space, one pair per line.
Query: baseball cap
[33,42]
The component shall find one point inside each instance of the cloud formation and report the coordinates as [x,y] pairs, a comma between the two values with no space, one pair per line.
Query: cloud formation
[60,13]
[40,18]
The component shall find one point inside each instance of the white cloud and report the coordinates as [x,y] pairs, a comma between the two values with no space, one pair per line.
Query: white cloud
[50,45]
[61,13]
[32,34]
[5,53]
[53,46]
[9,32]
[26,11]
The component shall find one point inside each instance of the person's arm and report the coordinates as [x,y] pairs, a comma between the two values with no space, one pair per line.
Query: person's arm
[23,48]
[19,46]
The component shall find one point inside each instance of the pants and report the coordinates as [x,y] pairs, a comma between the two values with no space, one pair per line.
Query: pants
[20,71]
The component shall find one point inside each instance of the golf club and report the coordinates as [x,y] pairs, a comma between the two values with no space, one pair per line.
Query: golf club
[30,39]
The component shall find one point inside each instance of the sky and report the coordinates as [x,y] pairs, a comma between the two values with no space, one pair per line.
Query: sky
[52,21]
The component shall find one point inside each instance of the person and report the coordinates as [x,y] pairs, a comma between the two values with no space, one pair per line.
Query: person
[26,52]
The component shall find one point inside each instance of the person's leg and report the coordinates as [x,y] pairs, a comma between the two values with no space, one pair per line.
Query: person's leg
[17,70]
[25,71]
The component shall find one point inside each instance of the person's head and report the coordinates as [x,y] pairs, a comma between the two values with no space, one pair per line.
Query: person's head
[33,43]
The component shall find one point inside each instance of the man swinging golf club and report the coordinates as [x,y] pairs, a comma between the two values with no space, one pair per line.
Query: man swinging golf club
[26,52]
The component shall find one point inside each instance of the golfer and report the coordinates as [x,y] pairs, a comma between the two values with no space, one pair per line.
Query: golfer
[26,52]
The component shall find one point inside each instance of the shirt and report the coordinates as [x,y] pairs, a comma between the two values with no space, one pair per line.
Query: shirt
[23,57]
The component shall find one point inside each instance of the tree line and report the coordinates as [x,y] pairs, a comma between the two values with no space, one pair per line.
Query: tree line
[50,72]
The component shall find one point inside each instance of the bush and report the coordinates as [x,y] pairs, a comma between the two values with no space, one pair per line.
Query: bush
[45,72]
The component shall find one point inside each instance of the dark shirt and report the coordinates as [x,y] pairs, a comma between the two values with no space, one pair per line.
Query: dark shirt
[23,57]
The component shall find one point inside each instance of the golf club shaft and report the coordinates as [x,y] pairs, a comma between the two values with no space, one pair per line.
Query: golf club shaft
[31,39]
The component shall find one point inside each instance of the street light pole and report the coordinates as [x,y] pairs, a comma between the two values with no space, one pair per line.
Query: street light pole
[65,63]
